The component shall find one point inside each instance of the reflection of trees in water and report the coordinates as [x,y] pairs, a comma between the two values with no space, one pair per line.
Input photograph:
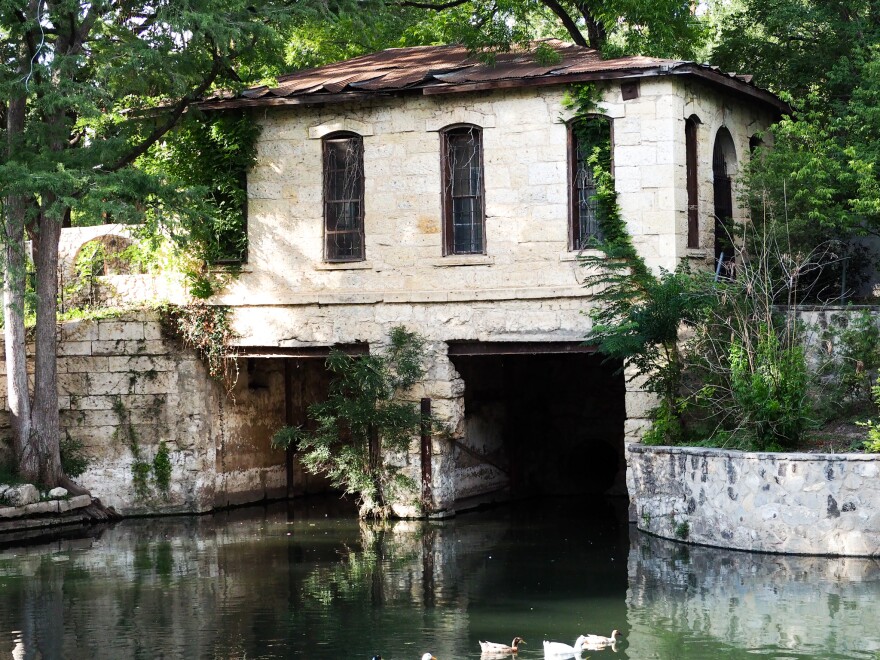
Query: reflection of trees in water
[247,586]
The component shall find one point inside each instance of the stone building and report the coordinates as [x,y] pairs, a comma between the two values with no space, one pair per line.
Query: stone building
[422,187]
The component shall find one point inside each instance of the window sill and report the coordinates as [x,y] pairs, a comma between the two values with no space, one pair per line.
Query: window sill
[344,265]
[463,260]
[696,253]
[575,255]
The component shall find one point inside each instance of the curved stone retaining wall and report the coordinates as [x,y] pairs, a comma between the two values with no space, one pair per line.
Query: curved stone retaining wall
[820,504]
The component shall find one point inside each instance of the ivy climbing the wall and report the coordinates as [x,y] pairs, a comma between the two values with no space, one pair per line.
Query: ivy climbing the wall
[208,330]
[637,315]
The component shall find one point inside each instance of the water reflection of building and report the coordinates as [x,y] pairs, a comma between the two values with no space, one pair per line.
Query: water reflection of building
[684,596]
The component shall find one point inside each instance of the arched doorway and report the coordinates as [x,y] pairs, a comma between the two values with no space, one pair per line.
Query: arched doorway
[723,168]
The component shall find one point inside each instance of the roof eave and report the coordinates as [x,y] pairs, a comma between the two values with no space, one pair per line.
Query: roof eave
[706,75]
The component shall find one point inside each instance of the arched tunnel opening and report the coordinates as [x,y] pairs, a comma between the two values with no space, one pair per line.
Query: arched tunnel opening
[549,416]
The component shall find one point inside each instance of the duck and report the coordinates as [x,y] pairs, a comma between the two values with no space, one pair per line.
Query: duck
[494,647]
[600,641]
[428,656]
[558,649]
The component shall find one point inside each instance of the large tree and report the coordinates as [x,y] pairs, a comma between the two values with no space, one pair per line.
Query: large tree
[86,88]
[820,184]
[661,28]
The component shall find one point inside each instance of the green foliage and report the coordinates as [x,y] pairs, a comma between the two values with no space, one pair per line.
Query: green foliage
[820,183]
[872,444]
[639,314]
[209,156]
[162,467]
[769,382]
[858,359]
[682,531]
[208,330]
[74,459]
[365,420]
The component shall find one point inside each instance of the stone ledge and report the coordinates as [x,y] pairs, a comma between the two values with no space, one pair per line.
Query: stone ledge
[50,506]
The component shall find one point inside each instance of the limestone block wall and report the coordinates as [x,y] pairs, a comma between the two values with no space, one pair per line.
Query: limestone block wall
[825,504]
[123,385]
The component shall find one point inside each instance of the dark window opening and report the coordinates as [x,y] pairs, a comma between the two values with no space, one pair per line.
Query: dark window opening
[464,219]
[693,205]
[722,161]
[344,198]
[590,147]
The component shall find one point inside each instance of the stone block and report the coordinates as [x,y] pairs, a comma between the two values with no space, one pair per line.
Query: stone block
[125,330]
[57,493]
[94,402]
[22,495]
[77,502]
[113,382]
[74,348]
[79,331]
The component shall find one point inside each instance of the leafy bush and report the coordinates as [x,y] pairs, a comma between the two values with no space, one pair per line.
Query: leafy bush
[858,360]
[364,418]
[74,460]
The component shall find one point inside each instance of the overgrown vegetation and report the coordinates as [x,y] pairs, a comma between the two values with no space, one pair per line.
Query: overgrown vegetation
[208,330]
[144,473]
[74,459]
[365,424]
[208,156]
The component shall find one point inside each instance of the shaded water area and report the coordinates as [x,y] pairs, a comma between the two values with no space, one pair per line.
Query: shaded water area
[306,580]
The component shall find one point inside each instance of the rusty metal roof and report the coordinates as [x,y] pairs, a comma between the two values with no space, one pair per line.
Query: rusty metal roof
[449,69]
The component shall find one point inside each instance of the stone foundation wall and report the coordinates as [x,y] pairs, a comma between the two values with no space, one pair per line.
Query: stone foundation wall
[822,504]
[125,389]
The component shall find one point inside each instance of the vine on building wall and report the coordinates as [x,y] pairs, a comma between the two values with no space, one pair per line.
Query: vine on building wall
[638,314]
[208,330]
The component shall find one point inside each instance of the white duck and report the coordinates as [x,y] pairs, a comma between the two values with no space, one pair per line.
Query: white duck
[501,649]
[598,642]
[428,656]
[560,650]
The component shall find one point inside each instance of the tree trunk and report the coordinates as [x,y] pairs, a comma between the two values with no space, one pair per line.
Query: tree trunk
[46,425]
[14,276]
[375,458]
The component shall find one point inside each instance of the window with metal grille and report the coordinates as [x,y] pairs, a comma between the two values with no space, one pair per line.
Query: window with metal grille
[344,198]
[590,147]
[464,220]
[693,208]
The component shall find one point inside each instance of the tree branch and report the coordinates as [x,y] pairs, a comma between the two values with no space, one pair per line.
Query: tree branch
[176,112]
[431,5]
[567,21]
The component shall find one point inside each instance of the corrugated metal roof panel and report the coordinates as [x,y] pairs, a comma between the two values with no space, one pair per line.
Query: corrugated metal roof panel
[440,67]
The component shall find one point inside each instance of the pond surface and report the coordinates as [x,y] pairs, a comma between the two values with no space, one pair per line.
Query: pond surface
[307,581]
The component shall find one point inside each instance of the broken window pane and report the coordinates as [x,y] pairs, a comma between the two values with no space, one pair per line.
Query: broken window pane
[344,198]
[463,191]
[591,148]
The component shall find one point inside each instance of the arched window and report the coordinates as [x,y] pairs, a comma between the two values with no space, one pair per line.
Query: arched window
[343,197]
[693,200]
[464,218]
[723,166]
[589,141]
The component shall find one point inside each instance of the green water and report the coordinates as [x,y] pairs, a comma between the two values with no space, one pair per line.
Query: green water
[307,581]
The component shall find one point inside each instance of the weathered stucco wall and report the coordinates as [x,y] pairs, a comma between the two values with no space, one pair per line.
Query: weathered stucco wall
[824,504]
[122,384]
